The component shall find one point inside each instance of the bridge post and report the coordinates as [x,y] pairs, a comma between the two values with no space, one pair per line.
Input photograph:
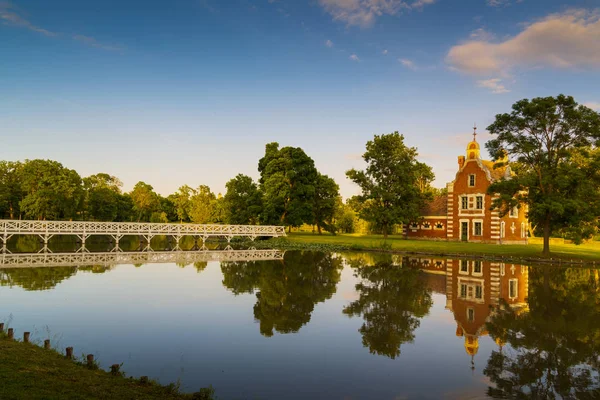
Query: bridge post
[116,238]
[83,238]
[45,237]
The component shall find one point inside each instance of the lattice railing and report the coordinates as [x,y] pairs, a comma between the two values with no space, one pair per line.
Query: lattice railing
[145,257]
[14,227]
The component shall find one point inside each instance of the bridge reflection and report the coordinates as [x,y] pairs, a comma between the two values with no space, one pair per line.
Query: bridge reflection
[139,257]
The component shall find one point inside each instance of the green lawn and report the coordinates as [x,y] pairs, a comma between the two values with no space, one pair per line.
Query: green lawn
[589,251]
[30,372]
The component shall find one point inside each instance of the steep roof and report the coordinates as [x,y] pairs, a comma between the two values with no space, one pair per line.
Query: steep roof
[436,207]
[495,173]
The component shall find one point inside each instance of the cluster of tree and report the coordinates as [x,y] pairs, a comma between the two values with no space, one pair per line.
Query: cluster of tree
[290,192]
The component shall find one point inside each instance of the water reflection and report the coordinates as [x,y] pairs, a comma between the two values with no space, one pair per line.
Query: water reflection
[528,332]
[392,300]
[287,291]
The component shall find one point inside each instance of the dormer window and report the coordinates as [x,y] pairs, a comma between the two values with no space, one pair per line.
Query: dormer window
[472,180]
[514,212]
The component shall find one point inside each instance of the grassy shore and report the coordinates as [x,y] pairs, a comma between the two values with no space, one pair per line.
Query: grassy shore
[566,252]
[31,372]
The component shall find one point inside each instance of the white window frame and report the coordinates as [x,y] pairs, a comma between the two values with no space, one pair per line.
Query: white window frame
[482,201]
[514,212]
[470,310]
[473,227]
[474,176]
[523,231]
[460,267]
[516,288]
[472,209]
[475,273]
[471,284]
[460,222]
[502,229]
[464,201]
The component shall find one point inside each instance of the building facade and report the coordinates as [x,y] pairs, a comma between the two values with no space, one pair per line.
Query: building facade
[465,214]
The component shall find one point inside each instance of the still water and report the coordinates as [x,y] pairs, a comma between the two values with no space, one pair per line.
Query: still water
[325,326]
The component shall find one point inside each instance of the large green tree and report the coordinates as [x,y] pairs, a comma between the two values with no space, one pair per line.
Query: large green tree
[287,181]
[325,203]
[51,191]
[393,182]
[392,301]
[550,142]
[182,201]
[242,201]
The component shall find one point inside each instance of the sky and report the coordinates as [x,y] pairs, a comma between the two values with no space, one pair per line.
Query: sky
[190,91]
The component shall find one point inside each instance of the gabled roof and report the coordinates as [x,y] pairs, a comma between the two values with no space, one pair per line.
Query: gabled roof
[436,207]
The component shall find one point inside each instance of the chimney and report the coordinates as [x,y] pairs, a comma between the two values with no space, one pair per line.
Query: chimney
[461,161]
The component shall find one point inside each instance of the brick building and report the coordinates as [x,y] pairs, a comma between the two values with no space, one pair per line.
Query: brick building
[464,213]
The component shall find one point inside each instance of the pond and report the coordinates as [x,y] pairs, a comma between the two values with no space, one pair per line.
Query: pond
[324,325]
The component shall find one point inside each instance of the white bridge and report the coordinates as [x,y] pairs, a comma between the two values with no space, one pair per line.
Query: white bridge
[144,257]
[83,230]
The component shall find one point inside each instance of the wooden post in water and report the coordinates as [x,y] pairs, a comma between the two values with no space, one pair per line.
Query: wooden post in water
[11,333]
[26,337]
[47,344]
[90,360]
[69,353]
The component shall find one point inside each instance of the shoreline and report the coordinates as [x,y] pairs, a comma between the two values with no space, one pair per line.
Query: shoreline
[34,372]
[316,242]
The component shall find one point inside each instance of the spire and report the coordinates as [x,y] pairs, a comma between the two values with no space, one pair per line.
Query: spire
[473,146]
[475,132]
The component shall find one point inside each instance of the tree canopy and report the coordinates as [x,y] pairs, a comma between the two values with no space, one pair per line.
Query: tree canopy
[552,143]
[393,183]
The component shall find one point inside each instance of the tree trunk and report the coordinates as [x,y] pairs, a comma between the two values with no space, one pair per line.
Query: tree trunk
[546,249]
[385,232]
[319,229]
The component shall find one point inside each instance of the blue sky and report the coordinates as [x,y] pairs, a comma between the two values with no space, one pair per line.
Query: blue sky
[189,91]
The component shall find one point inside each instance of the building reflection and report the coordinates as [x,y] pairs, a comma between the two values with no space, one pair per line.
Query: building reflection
[474,290]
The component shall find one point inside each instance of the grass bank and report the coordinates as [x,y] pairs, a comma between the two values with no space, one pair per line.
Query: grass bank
[31,372]
[531,252]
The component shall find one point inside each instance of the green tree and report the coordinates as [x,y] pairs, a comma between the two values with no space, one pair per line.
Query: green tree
[51,190]
[326,199]
[34,279]
[553,346]
[125,208]
[242,201]
[544,137]
[392,302]
[101,200]
[168,207]
[182,200]
[392,183]
[145,201]
[287,181]
[202,205]
[11,192]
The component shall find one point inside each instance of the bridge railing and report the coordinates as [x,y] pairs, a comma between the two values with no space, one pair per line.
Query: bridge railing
[21,227]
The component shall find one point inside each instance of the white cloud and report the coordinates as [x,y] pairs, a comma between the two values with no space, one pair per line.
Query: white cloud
[593,105]
[328,43]
[364,12]
[9,16]
[568,40]
[354,57]
[501,3]
[494,85]
[384,52]
[408,63]
[90,41]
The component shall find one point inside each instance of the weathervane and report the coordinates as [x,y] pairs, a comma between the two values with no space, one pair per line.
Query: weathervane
[474,131]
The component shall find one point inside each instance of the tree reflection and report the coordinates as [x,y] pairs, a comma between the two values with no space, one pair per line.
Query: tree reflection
[287,290]
[35,278]
[554,347]
[392,301]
